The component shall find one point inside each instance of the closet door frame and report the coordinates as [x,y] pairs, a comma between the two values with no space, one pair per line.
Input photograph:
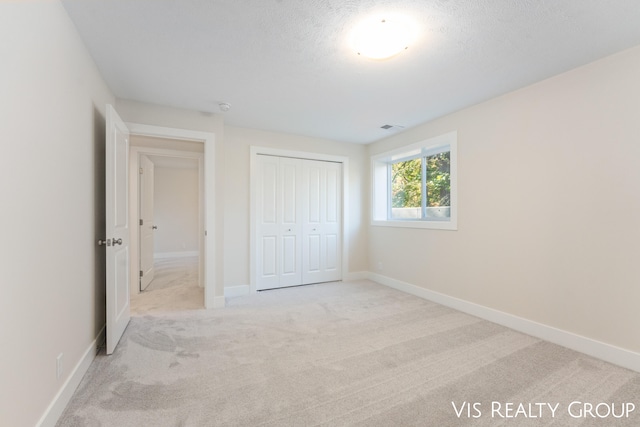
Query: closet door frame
[256,151]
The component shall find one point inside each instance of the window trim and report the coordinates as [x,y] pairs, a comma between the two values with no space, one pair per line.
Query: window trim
[380,182]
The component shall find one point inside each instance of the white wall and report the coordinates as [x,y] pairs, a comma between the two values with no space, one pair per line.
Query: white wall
[175,210]
[52,190]
[548,182]
[237,186]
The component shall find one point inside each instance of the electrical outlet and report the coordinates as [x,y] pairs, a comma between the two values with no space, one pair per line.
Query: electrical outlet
[59,366]
[379,265]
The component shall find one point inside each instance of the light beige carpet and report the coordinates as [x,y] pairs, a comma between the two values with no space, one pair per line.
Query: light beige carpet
[174,272]
[356,354]
[174,288]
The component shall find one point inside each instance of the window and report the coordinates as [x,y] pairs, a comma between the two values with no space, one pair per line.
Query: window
[416,185]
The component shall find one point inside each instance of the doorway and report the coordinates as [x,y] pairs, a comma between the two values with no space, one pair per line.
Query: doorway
[170,207]
[168,212]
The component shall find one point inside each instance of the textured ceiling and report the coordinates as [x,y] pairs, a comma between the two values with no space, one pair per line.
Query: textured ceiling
[286,65]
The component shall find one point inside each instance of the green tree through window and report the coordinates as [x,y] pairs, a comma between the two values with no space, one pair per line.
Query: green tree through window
[407,183]
[439,180]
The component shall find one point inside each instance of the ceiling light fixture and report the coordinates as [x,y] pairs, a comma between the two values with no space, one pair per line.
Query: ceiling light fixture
[381,38]
[224,106]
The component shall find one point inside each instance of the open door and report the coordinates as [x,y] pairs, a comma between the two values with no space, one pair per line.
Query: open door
[147,225]
[117,228]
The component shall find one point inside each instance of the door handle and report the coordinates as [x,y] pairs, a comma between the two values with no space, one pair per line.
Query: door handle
[155,227]
[117,242]
[104,242]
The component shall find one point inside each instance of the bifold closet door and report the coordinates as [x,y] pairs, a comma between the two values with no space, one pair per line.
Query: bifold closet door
[298,215]
[322,228]
[279,225]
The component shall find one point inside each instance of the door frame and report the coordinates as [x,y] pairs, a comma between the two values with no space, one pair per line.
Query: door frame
[207,172]
[134,165]
[257,150]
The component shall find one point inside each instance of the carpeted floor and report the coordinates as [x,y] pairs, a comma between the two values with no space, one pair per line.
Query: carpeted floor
[337,354]
[174,272]
[174,288]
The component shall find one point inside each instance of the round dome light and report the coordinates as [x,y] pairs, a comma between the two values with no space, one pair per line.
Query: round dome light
[381,38]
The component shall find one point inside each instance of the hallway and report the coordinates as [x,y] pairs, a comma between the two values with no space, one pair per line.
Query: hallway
[174,288]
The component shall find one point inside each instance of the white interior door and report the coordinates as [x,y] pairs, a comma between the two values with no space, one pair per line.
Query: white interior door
[322,228]
[279,256]
[147,225]
[117,228]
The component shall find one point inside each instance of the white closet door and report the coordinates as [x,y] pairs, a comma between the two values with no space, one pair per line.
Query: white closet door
[321,216]
[291,223]
[278,206]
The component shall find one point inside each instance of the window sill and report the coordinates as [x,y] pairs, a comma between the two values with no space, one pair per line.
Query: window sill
[432,225]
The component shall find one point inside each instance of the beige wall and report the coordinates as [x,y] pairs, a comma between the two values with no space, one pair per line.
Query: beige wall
[52,131]
[548,184]
[237,185]
[166,143]
[176,210]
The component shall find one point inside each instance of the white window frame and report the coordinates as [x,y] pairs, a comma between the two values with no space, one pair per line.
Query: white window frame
[381,185]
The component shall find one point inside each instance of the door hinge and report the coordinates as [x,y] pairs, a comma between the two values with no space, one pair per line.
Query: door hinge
[141,171]
[141,273]
[141,222]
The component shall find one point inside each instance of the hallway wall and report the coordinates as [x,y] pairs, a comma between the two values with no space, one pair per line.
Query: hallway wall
[175,211]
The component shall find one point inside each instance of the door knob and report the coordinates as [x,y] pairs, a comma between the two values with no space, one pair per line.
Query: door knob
[155,227]
[117,242]
[104,242]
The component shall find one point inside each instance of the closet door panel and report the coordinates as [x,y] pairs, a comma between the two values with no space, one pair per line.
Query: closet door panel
[332,253]
[279,230]
[269,245]
[290,254]
[322,225]
[332,225]
[267,242]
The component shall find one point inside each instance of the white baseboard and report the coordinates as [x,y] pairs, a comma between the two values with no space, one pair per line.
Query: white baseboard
[358,275]
[62,399]
[607,352]
[184,254]
[236,291]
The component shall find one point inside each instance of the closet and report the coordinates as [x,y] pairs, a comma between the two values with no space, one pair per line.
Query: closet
[298,221]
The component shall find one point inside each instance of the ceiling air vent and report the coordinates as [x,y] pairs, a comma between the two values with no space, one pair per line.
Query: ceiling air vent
[392,128]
